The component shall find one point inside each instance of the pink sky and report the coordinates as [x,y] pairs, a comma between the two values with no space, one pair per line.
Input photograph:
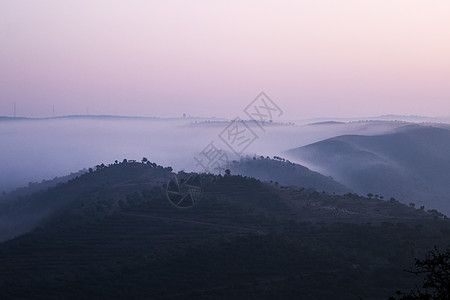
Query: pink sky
[209,58]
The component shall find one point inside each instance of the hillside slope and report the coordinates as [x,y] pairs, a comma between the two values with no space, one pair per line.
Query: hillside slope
[286,173]
[120,237]
[26,208]
[411,164]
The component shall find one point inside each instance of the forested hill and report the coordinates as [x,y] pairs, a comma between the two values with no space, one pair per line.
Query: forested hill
[284,172]
[26,208]
[113,233]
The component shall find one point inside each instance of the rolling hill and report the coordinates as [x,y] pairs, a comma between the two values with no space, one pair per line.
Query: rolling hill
[26,208]
[411,164]
[287,173]
[116,235]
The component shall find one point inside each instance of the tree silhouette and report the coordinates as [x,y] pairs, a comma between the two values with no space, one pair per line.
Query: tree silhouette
[436,285]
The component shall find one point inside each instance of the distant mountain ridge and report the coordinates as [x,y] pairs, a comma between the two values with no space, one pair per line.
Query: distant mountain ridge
[411,163]
[107,117]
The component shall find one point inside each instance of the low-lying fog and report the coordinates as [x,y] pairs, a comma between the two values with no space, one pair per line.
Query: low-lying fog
[33,150]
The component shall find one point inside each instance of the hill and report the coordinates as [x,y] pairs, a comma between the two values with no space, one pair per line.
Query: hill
[410,164]
[118,236]
[284,172]
[26,208]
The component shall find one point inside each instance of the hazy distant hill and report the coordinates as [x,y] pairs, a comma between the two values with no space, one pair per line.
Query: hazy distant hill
[286,173]
[34,187]
[411,164]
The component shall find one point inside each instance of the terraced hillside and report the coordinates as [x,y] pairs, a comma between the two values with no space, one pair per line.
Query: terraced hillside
[243,240]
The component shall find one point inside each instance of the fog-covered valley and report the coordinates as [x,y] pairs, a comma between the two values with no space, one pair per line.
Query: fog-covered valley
[33,150]
[299,187]
[409,168]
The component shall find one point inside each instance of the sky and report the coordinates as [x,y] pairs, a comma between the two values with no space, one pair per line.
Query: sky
[320,58]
